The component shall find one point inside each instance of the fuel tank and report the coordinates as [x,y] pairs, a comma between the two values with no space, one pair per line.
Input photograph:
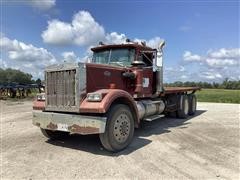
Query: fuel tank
[148,108]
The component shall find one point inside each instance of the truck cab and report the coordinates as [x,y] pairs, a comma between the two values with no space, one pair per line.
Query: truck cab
[128,67]
[110,96]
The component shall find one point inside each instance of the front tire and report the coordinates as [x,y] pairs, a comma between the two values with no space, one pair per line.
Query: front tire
[119,129]
[53,134]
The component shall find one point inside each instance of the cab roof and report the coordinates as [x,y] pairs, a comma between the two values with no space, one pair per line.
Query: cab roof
[127,45]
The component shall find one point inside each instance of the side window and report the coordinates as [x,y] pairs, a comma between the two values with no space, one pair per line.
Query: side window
[147,58]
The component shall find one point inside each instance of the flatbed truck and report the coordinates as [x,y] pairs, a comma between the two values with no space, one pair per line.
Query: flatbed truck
[110,96]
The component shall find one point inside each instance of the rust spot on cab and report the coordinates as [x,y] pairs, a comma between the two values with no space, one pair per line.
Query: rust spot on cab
[83,130]
[52,126]
[38,124]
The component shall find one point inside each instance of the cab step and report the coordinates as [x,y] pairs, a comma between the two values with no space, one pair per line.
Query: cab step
[154,117]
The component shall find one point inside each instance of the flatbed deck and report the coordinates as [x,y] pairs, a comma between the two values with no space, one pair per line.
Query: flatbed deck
[172,90]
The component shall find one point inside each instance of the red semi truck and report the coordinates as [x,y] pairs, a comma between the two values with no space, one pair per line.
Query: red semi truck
[111,96]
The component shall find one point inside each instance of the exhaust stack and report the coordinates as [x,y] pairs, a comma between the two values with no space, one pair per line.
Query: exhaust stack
[159,68]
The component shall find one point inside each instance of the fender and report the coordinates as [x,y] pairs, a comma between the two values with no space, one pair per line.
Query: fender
[109,96]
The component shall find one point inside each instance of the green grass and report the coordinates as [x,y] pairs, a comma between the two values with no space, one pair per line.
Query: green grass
[219,96]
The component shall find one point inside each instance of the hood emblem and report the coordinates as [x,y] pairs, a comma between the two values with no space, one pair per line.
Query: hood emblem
[107,73]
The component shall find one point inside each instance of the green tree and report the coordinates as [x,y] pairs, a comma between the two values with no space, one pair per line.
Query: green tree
[12,75]
[38,81]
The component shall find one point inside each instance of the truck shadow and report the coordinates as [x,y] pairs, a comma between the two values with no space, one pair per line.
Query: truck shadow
[92,144]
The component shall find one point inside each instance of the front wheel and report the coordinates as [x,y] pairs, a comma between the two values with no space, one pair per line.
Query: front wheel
[119,129]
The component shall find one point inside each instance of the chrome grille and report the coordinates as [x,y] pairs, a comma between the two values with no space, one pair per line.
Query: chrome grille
[63,87]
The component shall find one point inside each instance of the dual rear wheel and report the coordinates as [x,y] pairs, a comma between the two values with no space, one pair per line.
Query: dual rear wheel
[187,105]
[120,123]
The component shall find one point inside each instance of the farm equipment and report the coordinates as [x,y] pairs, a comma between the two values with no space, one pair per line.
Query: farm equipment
[18,90]
[110,96]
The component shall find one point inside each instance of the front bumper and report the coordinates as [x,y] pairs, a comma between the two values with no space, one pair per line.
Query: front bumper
[72,123]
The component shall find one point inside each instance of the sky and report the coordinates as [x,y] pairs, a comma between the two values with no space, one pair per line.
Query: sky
[202,37]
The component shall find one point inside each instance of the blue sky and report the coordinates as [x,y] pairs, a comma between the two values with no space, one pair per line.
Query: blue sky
[202,37]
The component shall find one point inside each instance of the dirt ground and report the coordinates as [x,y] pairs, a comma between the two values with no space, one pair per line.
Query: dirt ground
[205,146]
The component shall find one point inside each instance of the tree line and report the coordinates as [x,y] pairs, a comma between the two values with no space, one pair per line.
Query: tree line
[226,84]
[8,76]
[15,83]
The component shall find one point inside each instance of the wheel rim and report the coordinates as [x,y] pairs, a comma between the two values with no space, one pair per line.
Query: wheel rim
[186,107]
[121,128]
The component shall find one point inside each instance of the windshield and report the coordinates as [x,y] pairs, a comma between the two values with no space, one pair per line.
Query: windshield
[118,57]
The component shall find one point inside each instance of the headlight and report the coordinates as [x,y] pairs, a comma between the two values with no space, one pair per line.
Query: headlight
[41,97]
[94,97]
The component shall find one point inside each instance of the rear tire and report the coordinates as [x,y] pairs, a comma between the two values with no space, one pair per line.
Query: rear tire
[192,104]
[119,128]
[183,107]
[54,134]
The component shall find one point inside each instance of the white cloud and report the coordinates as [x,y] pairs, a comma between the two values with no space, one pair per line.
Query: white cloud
[225,53]
[223,57]
[184,77]
[26,57]
[232,78]
[58,33]
[168,68]
[38,4]
[115,38]
[182,68]
[29,65]
[215,59]
[189,57]
[176,73]
[153,42]
[208,75]
[214,62]
[181,73]
[3,64]
[83,31]
[25,52]
[69,57]
[215,65]
[41,4]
